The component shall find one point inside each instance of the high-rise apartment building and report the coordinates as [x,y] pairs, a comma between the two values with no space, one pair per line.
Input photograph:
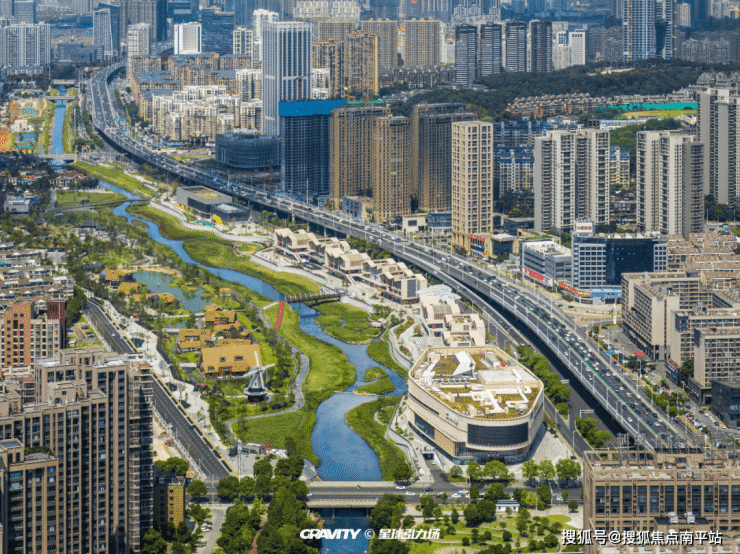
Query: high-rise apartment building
[327,29]
[665,29]
[103,32]
[577,44]
[304,147]
[472,180]
[6,9]
[540,50]
[259,18]
[516,46]
[243,44]
[718,126]
[24,11]
[421,42]
[352,131]
[286,69]
[151,12]
[466,55]
[217,30]
[361,67]
[137,40]
[571,178]
[169,497]
[670,191]
[242,12]
[32,330]
[390,166]
[431,163]
[638,30]
[77,460]
[387,32]
[188,38]
[491,47]
[24,45]
[115,24]
[329,55]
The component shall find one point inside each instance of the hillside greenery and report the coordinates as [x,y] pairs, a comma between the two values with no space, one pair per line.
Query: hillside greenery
[656,77]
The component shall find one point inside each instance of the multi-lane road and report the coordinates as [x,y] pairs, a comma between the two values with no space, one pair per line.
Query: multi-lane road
[210,461]
[620,395]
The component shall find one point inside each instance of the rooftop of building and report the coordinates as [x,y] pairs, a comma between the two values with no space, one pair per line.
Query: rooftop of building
[547,248]
[482,382]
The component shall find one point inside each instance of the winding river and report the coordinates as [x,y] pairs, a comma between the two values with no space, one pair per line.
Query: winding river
[344,455]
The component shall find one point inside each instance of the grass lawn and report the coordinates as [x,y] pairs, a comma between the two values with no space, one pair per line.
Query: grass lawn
[361,420]
[114,177]
[329,371]
[215,254]
[249,247]
[381,386]
[658,113]
[346,323]
[380,352]
[373,373]
[170,226]
[72,198]
[386,414]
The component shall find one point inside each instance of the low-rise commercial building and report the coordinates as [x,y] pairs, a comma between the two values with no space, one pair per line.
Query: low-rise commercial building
[475,404]
[231,359]
[200,199]
[358,206]
[444,320]
[547,259]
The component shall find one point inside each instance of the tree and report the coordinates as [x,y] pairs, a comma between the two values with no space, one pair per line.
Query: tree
[228,487]
[506,536]
[455,471]
[568,469]
[544,493]
[408,522]
[291,467]
[247,486]
[686,371]
[454,516]
[174,464]
[444,497]
[427,506]
[299,489]
[474,492]
[198,513]
[197,489]
[551,541]
[573,505]
[530,471]
[565,496]
[547,470]
[465,541]
[403,472]
[153,542]
[495,492]
[474,471]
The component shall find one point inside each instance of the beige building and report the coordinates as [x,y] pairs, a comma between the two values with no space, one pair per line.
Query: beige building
[337,29]
[329,54]
[670,491]
[421,43]
[571,178]
[670,191]
[475,403]
[387,33]
[443,319]
[77,454]
[391,191]
[716,355]
[431,163]
[472,180]
[362,64]
[352,133]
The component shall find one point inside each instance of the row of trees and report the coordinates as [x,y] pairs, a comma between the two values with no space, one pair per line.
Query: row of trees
[565,470]
[589,430]
[266,480]
[556,391]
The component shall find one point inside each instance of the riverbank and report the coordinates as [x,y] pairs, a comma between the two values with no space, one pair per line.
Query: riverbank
[381,353]
[362,421]
[67,140]
[117,178]
[329,371]
[346,323]
[208,249]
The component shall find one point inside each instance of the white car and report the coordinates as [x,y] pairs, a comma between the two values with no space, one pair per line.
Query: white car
[400,488]
[410,493]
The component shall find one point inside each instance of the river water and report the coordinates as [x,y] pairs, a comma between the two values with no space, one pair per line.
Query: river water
[344,455]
